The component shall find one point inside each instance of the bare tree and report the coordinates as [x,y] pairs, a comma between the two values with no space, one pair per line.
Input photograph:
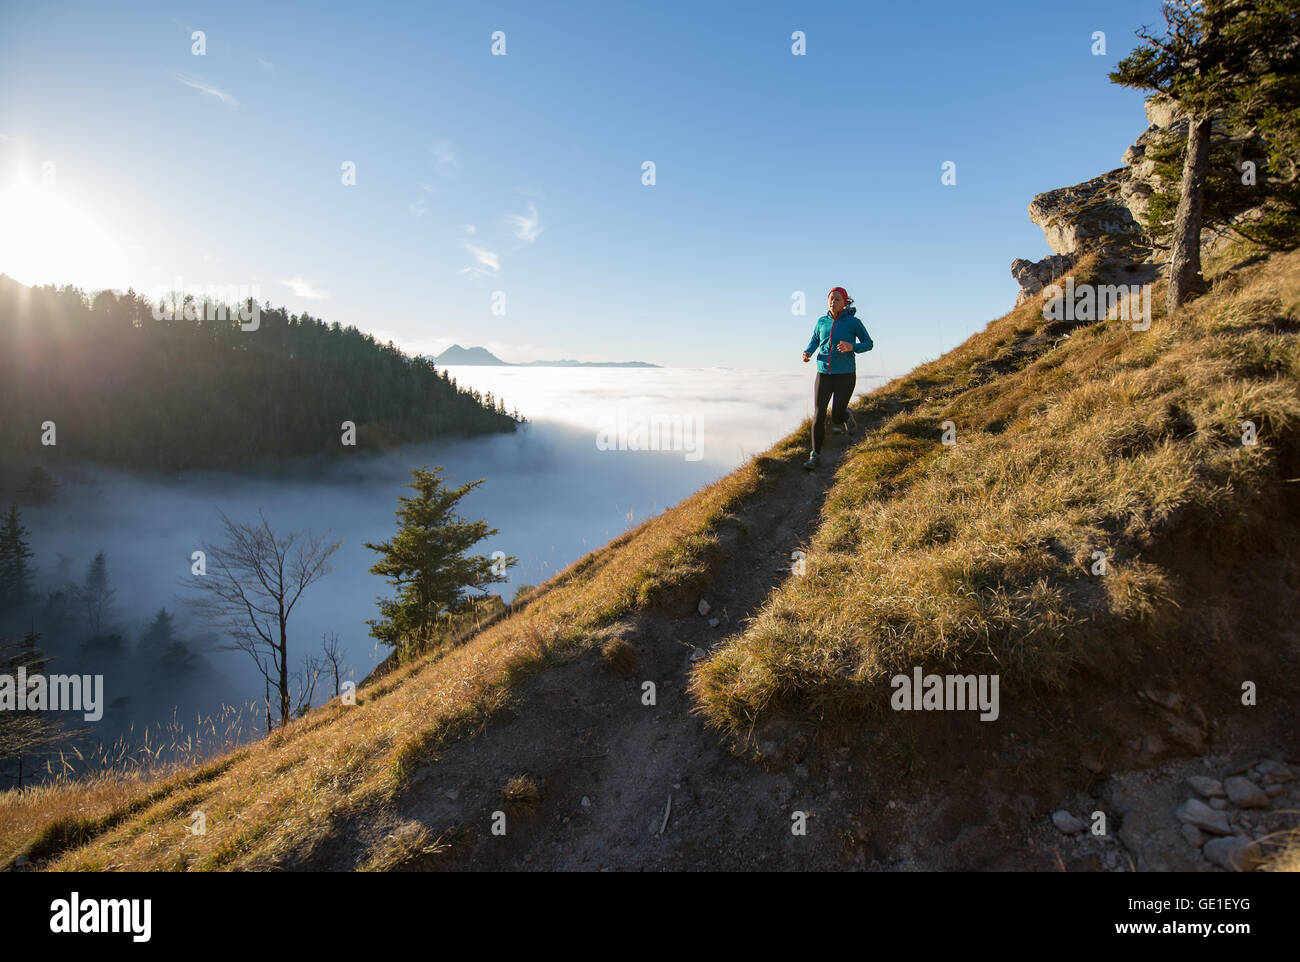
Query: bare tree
[311,672]
[252,584]
[333,659]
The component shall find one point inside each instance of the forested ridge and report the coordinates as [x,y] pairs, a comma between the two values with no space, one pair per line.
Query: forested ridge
[124,388]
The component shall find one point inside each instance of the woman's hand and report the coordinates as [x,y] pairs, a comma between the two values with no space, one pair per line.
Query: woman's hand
[844,347]
[806,357]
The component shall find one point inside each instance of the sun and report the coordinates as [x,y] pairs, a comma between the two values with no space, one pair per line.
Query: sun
[47,238]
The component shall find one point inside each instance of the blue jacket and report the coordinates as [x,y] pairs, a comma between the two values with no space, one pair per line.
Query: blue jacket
[828,332]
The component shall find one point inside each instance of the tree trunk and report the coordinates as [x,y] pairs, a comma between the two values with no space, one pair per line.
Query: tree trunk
[284,672]
[1185,260]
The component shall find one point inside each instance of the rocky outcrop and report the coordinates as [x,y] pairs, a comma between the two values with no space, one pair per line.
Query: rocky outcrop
[1136,189]
[1088,216]
[1033,276]
[1104,215]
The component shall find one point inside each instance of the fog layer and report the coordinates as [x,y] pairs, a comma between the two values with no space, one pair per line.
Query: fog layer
[554,491]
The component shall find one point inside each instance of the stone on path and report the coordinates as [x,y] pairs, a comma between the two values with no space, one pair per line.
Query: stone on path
[1244,793]
[1066,823]
[1195,812]
[1234,853]
[1206,787]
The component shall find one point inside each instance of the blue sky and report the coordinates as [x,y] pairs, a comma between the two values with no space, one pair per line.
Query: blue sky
[775,173]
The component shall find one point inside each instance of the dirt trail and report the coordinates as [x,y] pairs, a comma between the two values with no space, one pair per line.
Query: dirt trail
[952,794]
[581,731]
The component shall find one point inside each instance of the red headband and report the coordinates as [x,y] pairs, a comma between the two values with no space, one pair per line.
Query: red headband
[843,292]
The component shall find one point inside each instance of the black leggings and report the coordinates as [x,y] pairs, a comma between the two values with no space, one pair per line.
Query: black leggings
[827,387]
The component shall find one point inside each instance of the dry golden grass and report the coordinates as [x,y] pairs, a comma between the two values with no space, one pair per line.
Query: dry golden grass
[410,842]
[522,791]
[272,798]
[1283,854]
[976,557]
[973,557]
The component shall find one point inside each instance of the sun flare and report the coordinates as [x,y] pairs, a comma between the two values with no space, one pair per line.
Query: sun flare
[46,238]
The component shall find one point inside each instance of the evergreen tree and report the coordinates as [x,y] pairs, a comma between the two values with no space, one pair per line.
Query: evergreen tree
[15,563]
[159,635]
[1238,60]
[161,647]
[94,595]
[427,561]
[23,732]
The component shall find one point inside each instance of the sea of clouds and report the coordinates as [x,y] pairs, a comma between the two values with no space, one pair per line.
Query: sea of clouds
[550,490]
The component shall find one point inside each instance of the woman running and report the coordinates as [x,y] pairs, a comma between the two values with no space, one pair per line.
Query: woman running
[837,337]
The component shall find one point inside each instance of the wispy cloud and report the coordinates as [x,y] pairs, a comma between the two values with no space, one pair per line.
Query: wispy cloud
[304,289]
[422,200]
[486,263]
[471,229]
[203,87]
[445,160]
[527,228]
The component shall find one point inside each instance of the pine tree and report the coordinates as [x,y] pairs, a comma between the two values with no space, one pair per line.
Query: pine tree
[94,595]
[159,635]
[427,562]
[161,647]
[22,733]
[15,563]
[1234,59]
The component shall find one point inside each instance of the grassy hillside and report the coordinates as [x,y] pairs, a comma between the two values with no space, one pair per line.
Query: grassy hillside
[266,799]
[977,557]
[972,557]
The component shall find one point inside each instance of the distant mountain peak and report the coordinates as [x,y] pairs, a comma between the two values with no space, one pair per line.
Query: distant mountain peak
[467,355]
[482,356]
